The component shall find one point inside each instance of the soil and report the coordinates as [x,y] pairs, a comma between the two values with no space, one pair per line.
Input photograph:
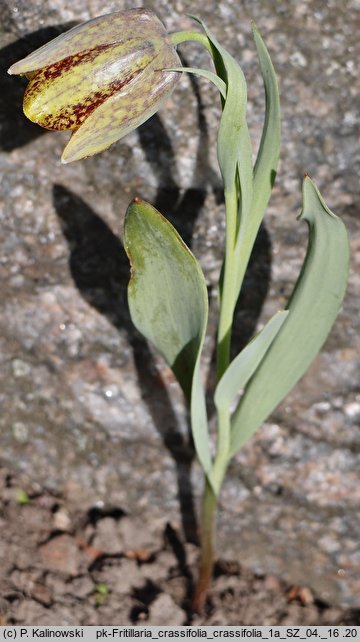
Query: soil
[67,564]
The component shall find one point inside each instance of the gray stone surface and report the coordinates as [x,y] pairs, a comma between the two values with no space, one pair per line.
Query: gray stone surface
[85,405]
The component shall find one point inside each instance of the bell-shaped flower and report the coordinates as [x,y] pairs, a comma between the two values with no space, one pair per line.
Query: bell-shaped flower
[101,79]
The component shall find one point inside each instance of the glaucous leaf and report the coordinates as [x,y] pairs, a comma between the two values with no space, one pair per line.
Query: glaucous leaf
[169,305]
[244,365]
[204,73]
[266,162]
[269,149]
[313,308]
[234,145]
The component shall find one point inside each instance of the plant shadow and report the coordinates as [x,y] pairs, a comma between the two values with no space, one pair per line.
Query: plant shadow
[100,270]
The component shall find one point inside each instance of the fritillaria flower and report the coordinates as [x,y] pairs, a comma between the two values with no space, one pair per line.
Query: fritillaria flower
[101,79]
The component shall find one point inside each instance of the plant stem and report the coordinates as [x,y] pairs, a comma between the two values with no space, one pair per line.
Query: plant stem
[227,296]
[228,288]
[208,512]
[227,302]
[209,502]
[206,564]
[178,37]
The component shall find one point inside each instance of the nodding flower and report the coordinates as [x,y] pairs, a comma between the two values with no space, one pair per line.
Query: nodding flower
[101,80]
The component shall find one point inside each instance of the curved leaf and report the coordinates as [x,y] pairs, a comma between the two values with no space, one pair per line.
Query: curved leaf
[313,308]
[234,145]
[169,305]
[266,162]
[244,365]
[204,73]
[269,148]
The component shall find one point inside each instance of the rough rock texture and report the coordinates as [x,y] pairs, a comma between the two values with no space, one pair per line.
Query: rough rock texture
[85,403]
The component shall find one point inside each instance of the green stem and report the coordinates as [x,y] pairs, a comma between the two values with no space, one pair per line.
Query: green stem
[222,448]
[228,297]
[228,288]
[206,564]
[178,37]
[231,203]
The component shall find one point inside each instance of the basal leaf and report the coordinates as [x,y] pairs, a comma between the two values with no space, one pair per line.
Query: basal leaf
[169,305]
[313,308]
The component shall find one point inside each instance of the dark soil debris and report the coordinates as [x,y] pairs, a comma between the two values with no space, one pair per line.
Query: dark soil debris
[81,570]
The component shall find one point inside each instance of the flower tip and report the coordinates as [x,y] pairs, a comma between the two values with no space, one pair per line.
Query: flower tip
[71,155]
[17,68]
[66,157]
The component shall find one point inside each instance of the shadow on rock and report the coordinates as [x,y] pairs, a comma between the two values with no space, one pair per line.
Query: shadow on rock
[181,207]
[254,292]
[249,305]
[100,269]
[15,129]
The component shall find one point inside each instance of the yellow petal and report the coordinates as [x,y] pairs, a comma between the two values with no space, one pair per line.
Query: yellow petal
[62,95]
[123,112]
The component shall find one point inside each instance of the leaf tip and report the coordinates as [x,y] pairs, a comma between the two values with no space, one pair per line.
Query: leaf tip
[309,186]
[313,201]
[193,17]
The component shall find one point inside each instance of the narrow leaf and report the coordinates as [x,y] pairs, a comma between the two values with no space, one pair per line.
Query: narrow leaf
[269,149]
[234,145]
[204,73]
[266,161]
[169,305]
[313,308]
[244,365]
